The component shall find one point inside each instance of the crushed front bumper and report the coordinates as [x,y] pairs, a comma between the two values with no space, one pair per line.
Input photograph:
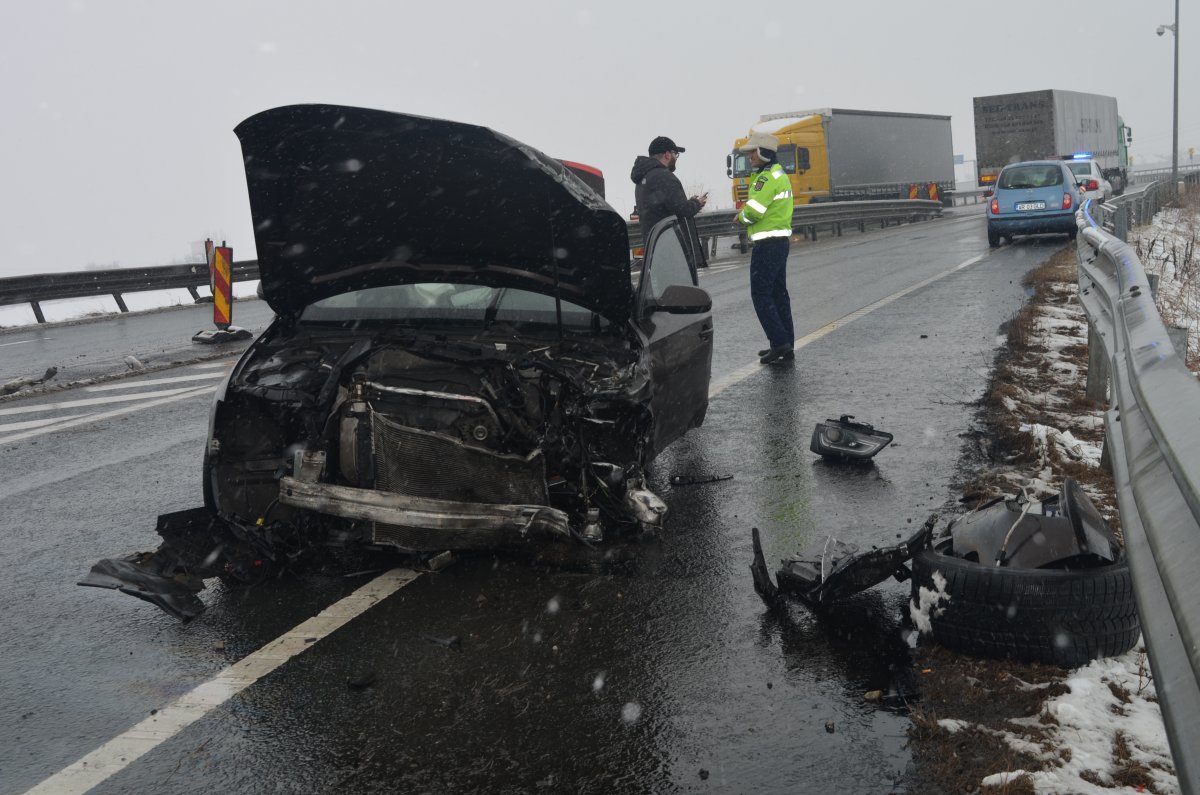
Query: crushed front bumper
[422,523]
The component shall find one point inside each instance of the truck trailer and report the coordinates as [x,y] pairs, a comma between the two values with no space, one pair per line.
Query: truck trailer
[833,154]
[1051,125]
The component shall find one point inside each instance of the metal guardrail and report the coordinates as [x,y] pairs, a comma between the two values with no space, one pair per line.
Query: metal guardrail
[1153,174]
[1153,443]
[709,226]
[1136,207]
[115,282]
[976,195]
[808,218]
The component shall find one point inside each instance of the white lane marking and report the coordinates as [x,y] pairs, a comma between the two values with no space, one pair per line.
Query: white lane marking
[99,401]
[183,394]
[27,424]
[153,382]
[122,751]
[737,376]
[22,342]
[224,363]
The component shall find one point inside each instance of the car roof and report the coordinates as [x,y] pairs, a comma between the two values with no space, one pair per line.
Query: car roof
[1037,163]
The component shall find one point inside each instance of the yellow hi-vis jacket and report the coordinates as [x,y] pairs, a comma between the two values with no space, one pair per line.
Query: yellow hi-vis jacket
[768,209]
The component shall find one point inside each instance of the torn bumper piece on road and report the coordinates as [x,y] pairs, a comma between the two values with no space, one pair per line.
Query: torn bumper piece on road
[196,545]
[832,570]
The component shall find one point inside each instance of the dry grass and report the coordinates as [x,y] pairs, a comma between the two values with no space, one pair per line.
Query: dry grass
[988,695]
[1177,257]
[1037,382]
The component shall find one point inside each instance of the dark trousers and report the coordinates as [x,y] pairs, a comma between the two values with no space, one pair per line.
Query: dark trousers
[768,289]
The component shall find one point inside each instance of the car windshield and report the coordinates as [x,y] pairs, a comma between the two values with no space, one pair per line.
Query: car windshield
[441,303]
[1081,169]
[1031,177]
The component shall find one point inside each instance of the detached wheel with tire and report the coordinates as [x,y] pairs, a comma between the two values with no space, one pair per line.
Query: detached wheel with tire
[1056,616]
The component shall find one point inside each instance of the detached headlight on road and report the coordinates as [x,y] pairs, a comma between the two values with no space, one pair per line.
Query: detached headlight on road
[848,440]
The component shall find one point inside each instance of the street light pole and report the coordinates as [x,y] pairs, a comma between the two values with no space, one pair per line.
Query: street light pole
[1175,110]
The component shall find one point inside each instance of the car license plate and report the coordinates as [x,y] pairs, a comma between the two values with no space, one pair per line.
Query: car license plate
[1031,205]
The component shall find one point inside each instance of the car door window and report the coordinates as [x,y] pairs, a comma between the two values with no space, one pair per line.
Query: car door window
[668,263]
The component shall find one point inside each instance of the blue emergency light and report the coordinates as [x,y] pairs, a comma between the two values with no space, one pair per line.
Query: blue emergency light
[1082,156]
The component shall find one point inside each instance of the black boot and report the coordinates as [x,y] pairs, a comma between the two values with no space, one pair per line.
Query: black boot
[778,353]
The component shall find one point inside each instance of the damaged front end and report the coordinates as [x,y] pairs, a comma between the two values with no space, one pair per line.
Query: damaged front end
[427,444]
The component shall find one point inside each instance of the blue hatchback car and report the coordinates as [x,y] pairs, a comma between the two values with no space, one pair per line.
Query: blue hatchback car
[1033,197]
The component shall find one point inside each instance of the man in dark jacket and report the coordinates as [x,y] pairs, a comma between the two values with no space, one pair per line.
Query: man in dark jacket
[659,192]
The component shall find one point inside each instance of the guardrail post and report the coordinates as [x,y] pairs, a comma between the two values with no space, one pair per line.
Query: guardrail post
[1121,223]
[195,294]
[37,311]
[1176,334]
[1097,374]
[120,302]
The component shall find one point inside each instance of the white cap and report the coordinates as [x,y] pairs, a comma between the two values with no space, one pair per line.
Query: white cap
[760,140]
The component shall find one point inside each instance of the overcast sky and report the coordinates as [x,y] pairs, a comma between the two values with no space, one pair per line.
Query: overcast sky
[117,135]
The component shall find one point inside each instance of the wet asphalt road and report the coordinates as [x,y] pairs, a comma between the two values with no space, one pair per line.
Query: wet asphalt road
[664,674]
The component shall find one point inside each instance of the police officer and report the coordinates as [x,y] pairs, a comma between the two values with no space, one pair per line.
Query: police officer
[767,217]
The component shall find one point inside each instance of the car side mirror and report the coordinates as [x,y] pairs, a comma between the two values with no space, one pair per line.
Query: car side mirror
[987,194]
[683,299]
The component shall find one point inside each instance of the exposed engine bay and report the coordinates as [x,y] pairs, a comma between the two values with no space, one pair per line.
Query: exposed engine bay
[556,427]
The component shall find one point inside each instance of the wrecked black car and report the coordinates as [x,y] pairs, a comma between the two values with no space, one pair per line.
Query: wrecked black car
[461,358]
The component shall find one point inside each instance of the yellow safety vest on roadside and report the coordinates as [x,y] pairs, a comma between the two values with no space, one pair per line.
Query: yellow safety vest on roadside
[768,209]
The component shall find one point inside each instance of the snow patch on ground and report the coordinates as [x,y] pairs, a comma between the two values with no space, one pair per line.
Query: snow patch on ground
[926,604]
[1107,697]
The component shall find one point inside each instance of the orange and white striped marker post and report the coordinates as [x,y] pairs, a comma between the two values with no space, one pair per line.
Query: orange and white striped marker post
[220,269]
[220,280]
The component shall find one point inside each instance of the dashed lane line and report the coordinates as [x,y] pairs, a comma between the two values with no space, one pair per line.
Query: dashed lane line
[23,342]
[154,382]
[13,427]
[174,395]
[122,751]
[96,401]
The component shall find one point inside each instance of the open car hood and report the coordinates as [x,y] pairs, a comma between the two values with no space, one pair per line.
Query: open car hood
[346,198]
